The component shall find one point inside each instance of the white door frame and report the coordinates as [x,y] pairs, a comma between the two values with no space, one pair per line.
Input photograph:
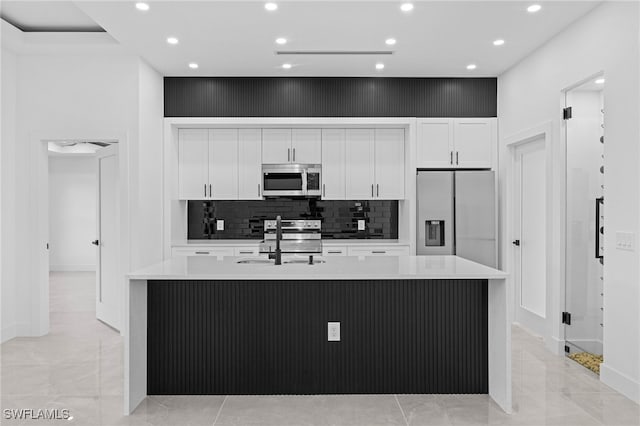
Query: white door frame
[37,275]
[553,336]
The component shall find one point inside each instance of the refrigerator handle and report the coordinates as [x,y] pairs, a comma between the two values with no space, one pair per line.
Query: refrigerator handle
[599,201]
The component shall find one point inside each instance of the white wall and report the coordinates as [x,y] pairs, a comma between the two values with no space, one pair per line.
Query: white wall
[8,284]
[72,213]
[529,94]
[78,96]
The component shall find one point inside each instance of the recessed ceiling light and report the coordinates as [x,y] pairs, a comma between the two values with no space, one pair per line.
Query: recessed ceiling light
[271,6]
[172,40]
[379,66]
[534,8]
[142,6]
[406,7]
[471,66]
[286,66]
[498,42]
[281,40]
[193,65]
[390,41]
[600,81]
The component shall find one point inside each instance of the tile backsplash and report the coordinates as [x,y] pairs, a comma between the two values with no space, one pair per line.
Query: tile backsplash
[244,219]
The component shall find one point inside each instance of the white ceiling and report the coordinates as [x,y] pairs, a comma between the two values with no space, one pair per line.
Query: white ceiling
[47,16]
[237,38]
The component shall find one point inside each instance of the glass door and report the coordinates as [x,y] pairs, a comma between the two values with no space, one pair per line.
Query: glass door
[585,214]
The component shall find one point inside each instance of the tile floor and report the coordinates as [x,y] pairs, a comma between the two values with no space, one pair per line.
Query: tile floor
[78,366]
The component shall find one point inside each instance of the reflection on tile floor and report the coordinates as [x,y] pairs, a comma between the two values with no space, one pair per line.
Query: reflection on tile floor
[78,366]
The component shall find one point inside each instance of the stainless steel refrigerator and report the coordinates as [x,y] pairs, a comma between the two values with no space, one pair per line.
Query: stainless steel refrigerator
[457,215]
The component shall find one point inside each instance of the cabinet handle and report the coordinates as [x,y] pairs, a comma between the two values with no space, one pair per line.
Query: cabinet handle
[334,251]
[451,157]
[294,155]
[210,191]
[377,189]
[288,155]
[456,158]
[372,190]
[245,252]
[205,190]
[378,251]
[324,190]
[202,252]
[258,190]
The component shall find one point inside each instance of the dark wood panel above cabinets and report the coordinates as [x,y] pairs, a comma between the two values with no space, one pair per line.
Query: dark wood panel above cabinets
[329,97]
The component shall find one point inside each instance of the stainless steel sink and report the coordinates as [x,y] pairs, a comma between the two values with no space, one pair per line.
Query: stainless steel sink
[255,261]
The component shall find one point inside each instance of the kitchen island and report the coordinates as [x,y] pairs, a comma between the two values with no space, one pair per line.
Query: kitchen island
[409,324]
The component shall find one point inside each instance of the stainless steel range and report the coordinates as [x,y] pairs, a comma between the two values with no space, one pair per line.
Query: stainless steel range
[299,236]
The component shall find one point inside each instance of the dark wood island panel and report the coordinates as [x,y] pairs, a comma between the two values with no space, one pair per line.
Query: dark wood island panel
[270,337]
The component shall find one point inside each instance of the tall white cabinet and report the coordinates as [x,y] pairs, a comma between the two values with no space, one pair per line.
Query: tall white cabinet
[375,166]
[333,164]
[250,164]
[451,143]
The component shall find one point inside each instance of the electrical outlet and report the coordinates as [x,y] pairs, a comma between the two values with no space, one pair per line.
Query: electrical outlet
[333,334]
[625,241]
[360,224]
[219,225]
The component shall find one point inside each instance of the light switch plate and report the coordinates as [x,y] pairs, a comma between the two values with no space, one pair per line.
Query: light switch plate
[360,224]
[219,225]
[333,331]
[625,241]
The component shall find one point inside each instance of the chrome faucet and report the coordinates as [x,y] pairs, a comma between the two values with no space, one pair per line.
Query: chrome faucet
[278,253]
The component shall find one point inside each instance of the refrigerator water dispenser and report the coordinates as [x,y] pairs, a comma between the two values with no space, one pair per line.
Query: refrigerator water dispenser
[434,233]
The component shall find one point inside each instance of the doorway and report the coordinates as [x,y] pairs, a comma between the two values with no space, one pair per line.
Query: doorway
[529,233]
[84,229]
[585,207]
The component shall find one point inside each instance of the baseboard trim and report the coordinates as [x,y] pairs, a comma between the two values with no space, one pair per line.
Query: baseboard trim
[72,268]
[620,382]
[8,333]
[555,345]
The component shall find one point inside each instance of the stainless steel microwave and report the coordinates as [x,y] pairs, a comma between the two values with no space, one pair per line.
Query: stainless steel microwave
[291,180]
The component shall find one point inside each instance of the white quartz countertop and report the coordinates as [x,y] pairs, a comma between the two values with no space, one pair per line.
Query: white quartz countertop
[325,242]
[339,267]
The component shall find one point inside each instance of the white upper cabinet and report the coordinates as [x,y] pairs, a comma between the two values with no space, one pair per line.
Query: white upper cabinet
[474,140]
[375,164]
[447,143]
[333,164]
[223,164]
[389,164]
[435,143]
[193,164]
[282,146]
[276,146]
[359,164]
[249,164]
[306,146]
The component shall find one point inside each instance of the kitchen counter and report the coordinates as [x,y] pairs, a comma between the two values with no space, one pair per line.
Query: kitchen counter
[408,324]
[325,242]
[344,268]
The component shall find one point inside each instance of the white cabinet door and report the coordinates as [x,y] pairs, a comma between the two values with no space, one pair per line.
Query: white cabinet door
[435,143]
[379,251]
[333,164]
[359,164]
[474,142]
[276,146]
[334,251]
[202,251]
[249,164]
[389,164]
[193,164]
[306,146]
[223,164]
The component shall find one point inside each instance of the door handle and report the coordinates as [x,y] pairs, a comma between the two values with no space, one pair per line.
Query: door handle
[456,158]
[94,242]
[288,155]
[516,243]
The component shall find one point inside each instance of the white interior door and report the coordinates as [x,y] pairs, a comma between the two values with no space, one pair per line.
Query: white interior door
[109,300]
[530,235]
